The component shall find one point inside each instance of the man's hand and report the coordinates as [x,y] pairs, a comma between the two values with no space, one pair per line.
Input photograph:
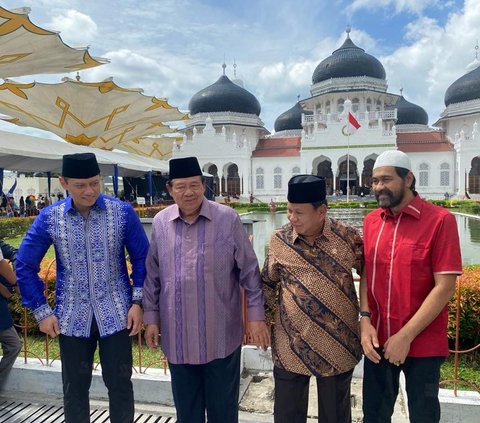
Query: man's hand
[396,348]
[50,326]
[152,333]
[369,340]
[258,334]
[134,319]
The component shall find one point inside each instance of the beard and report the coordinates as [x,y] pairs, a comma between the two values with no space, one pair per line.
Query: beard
[389,199]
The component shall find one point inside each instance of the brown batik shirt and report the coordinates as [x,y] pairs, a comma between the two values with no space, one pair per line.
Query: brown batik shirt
[310,298]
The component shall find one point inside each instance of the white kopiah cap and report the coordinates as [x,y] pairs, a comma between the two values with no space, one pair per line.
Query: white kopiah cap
[395,158]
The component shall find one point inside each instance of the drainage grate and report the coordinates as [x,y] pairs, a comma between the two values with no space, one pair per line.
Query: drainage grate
[24,412]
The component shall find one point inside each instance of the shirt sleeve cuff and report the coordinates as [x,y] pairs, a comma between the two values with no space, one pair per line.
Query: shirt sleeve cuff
[151,317]
[42,312]
[255,313]
[137,294]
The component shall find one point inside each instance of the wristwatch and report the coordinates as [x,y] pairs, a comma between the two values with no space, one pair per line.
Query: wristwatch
[137,302]
[365,314]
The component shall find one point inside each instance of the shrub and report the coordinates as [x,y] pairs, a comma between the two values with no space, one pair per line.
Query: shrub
[469,309]
[12,227]
[47,273]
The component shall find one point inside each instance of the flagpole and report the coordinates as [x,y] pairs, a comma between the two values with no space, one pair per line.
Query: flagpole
[348,166]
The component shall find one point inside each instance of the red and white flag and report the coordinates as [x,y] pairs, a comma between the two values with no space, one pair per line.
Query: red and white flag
[352,124]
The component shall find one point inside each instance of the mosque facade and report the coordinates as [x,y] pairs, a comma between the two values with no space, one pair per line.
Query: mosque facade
[228,137]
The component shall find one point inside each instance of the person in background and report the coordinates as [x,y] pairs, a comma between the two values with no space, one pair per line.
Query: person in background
[96,303]
[199,259]
[9,340]
[412,260]
[311,300]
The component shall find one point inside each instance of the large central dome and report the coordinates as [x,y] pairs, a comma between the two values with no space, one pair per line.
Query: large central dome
[347,61]
[224,96]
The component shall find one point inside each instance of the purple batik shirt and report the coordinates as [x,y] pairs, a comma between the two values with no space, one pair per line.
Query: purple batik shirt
[192,288]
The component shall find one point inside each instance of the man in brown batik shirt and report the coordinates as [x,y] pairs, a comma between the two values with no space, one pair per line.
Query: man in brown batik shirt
[311,300]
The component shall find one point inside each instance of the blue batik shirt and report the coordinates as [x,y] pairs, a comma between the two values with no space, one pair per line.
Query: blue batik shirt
[92,277]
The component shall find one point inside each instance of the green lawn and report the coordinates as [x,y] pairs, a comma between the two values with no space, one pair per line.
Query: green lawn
[15,242]
[36,349]
[468,370]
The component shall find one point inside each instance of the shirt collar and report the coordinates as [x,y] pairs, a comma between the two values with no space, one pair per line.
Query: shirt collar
[69,206]
[205,211]
[414,209]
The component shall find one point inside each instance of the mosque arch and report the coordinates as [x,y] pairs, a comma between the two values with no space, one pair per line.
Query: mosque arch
[367,173]
[474,176]
[231,183]
[322,166]
[344,183]
[212,169]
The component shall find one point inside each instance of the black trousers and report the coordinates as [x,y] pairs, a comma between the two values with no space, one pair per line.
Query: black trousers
[213,387]
[77,363]
[381,383]
[291,397]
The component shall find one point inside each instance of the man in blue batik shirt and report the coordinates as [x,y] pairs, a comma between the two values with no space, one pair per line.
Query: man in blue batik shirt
[95,302]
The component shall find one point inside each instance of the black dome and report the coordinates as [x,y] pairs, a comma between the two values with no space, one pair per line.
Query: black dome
[409,113]
[224,96]
[291,119]
[348,60]
[464,88]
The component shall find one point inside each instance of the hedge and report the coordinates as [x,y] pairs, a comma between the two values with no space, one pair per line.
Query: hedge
[469,309]
[12,227]
[469,306]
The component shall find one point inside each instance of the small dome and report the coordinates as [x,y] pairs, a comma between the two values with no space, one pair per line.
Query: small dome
[349,60]
[291,119]
[224,96]
[409,113]
[464,88]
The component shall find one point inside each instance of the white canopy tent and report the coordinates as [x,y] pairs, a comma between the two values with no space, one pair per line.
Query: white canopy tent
[26,153]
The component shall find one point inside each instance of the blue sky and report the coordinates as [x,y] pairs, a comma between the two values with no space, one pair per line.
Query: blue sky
[174,48]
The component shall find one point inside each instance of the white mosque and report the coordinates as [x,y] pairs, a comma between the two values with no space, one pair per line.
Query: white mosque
[231,142]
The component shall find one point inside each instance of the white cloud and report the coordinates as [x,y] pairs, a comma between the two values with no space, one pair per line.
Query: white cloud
[394,6]
[76,28]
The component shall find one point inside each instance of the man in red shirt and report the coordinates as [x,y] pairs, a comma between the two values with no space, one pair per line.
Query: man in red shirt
[412,260]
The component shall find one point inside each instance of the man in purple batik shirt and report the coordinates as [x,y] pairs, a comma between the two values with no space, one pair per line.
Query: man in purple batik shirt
[199,258]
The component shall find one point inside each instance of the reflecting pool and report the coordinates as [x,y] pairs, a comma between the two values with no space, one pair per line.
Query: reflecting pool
[468,229]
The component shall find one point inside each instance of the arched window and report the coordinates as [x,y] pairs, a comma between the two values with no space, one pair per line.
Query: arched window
[277,178]
[327,107]
[444,175]
[259,179]
[423,171]
[369,105]
[340,102]
[355,105]
[295,171]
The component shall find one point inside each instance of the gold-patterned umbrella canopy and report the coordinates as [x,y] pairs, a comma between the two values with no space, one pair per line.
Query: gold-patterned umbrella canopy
[26,49]
[97,114]
[155,147]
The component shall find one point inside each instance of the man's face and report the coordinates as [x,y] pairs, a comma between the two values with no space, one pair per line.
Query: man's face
[187,193]
[84,192]
[306,219]
[389,188]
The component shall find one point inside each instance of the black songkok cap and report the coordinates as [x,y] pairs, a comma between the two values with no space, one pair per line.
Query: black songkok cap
[184,168]
[80,165]
[306,189]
